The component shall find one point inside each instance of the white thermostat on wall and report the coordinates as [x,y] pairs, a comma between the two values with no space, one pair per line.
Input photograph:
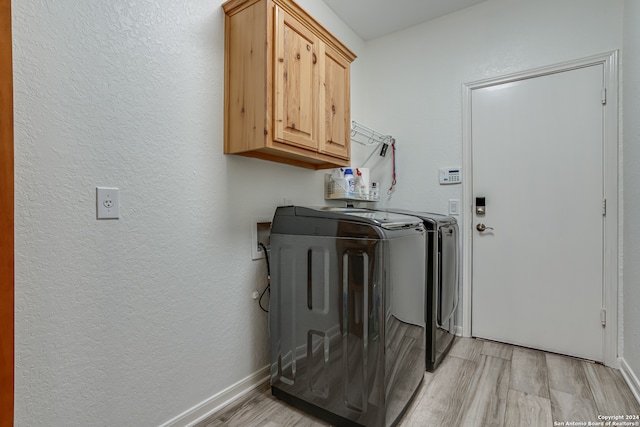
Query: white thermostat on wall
[450,175]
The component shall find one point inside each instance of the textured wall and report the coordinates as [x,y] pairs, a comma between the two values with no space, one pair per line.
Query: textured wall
[132,322]
[631,131]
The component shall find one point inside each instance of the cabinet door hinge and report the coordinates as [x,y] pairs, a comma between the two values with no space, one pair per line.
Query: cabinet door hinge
[603,317]
[604,207]
[604,96]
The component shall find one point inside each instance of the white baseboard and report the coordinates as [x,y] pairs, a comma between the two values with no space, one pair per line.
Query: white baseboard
[216,402]
[631,378]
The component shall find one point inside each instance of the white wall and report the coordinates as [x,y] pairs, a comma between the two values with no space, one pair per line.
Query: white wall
[415,76]
[631,131]
[133,321]
[424,67]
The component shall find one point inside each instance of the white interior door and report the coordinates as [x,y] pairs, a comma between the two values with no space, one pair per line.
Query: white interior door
[537,158]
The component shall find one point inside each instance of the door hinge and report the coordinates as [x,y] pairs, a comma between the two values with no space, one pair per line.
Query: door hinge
[603,317]
[604,96]
[604,207]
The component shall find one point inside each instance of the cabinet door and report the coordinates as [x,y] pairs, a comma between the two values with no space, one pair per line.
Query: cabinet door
[336,103]
[296,109]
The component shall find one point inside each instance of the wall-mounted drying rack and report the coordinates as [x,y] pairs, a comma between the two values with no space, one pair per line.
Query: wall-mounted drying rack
[367,136]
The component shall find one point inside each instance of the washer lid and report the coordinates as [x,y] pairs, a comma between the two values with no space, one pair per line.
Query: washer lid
[387,220]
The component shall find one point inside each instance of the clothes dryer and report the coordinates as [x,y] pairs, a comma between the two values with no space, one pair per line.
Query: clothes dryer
[442,284]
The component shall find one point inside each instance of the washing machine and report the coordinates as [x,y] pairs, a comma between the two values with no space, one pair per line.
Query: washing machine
[347,327]
[442,284]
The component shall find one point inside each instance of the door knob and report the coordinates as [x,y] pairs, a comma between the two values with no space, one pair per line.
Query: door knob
[481,227]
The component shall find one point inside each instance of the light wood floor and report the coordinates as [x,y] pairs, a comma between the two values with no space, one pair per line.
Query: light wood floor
[480,383]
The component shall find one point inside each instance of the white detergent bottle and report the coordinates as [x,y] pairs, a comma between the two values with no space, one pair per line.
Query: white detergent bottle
[350,181]
[362,188]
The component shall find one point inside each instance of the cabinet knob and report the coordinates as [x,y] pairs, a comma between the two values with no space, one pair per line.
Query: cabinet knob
[314,58]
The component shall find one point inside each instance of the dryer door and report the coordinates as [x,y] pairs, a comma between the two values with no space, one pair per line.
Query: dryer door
[447,276]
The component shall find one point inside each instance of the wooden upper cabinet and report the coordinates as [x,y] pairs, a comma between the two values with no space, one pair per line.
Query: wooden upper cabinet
[296,81]
[335,99]
[287,96]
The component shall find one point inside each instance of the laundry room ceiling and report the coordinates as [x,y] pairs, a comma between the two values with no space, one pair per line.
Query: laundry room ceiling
[375,18]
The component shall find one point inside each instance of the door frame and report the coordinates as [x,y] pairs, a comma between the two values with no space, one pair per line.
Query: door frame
[7,360]
[609,61]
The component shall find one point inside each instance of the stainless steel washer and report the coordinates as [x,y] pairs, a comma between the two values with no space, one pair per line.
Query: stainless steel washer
[347,312]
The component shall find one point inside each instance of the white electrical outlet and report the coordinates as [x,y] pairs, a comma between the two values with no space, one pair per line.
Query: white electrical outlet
[107,203]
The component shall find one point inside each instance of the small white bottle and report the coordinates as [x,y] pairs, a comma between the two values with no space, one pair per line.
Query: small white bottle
[350,181]
[373,192]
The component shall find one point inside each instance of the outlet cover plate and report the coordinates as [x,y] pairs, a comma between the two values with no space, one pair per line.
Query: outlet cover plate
[260,230]
[454,207]
[107,203]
